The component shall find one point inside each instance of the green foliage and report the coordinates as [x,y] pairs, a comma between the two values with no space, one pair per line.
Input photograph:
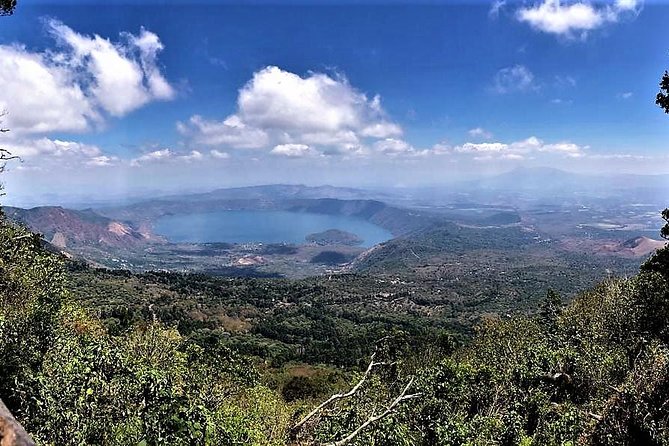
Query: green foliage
[662,98]
[71,382]
[664,232]
[593,372]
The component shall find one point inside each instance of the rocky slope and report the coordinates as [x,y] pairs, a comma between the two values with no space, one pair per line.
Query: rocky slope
[68,228]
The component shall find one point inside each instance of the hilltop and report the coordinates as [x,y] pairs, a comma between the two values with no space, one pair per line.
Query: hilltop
[69,228]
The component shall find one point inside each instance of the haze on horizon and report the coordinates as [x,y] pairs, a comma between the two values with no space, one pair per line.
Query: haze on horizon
[115,99]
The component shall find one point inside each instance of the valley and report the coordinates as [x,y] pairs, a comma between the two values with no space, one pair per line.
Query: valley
[299,231]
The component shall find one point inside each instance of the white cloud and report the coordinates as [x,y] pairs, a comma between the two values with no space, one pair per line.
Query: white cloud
[293,150]
[194,155]
[567,148]
[495,147]
[102,161]
[381,130]
[42,147]
[480,132]
[37,153]
[149,46]
[574,19]
[627,5]
[156,155]
[123,76]
[517,78]
[392,146]
[625,95]
[496,7]
[277,108]
[219,155]
[167,155]
[40,96]
[69,88]
[232,132]
[512,151]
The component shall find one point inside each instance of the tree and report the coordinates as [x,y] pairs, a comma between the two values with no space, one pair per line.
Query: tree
[7,7]
[662,98]
[664,232]
[5,155]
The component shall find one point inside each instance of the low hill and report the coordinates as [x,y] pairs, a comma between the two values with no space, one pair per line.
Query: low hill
[334,237]
[396,220]
[68,228]
[438,242]
[642,246]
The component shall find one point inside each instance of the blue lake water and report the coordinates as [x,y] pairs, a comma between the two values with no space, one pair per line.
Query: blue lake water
[262,227]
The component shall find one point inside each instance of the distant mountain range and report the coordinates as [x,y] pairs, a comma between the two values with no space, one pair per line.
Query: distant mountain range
[542,184]
[421,224]
[547,178]
[131,226]
[318,200]
[281,192]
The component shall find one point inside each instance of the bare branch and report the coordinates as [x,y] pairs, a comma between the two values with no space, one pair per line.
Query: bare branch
[21,237]
[339,396]
[595,416]
[374,418]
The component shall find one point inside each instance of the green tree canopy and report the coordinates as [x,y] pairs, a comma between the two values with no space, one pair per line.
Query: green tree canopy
[662,98]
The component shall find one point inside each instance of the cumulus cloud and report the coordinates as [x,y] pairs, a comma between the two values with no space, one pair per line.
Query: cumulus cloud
[194,155]
[123,76]
[41,96]
[485,147]
[515,150]
[156,155]
[102,161]
[392,146]
[517,78]
[219,155]
[574,19]
[42,152]
[480,132]
[72,87]
[171,156]
[232,132]
[293,150]
[279,108]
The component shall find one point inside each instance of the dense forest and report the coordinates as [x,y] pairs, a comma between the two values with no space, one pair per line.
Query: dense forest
[593,372]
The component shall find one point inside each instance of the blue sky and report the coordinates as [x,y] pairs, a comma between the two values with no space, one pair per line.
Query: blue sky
[116,98]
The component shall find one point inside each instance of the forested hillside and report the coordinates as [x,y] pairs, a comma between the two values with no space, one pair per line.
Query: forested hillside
[593,372]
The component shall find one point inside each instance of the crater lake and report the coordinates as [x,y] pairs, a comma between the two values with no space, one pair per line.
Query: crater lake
[262,227]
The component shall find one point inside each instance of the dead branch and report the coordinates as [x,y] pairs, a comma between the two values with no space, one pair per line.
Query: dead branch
[338,396]
[374,418]
[21,237]
[595,416]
